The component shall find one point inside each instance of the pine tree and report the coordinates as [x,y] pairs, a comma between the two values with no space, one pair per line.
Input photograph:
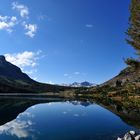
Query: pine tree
[133,31]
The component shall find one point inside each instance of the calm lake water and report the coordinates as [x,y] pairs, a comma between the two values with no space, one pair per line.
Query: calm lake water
[59,121]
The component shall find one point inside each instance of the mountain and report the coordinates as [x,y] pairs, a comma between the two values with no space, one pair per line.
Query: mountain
[11,71]
[126,76]
[123,88]
[12,80]
[82,84]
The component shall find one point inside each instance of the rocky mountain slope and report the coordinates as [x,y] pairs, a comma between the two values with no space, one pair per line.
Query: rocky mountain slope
[12,80]
[126,76]
[11,71]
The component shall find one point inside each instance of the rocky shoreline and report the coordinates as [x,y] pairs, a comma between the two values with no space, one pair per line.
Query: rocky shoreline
[131,135]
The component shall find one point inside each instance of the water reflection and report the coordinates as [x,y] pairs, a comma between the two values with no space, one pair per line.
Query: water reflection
[11,108]
[16,128]
[130,116]
[71,120]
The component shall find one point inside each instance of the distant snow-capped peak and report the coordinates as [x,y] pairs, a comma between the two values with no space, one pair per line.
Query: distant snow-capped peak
[78,84]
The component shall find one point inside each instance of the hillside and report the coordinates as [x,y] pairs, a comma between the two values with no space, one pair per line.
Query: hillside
[11,71]
[128,75]
[12,80]
[123,88]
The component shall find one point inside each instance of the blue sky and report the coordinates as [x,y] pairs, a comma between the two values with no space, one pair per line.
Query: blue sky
[63,41]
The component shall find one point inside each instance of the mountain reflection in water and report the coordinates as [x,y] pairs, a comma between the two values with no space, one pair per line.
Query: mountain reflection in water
[57,119]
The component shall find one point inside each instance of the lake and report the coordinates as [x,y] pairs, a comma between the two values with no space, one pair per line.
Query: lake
[58,120]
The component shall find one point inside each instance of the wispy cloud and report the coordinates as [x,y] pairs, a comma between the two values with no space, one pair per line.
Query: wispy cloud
[89,25]
[22,9]
[50,82]
[66,74]
[24,59]
[76,76]
[42,17]
[31,30]
[7,23]
[76,73]
[32,71]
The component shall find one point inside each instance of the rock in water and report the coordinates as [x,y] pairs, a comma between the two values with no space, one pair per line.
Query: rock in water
[129,136]
[119,138]
[137,137]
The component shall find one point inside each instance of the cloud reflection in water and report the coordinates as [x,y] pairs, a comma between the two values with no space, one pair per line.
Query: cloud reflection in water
[18,127]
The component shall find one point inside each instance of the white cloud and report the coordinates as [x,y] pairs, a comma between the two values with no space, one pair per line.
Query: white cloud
[76,73]
[66,74]
[31,29]
[7,23]
[50,82]
[22,9]
[24,59]
[30,72]
[89,25]
[72,74]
